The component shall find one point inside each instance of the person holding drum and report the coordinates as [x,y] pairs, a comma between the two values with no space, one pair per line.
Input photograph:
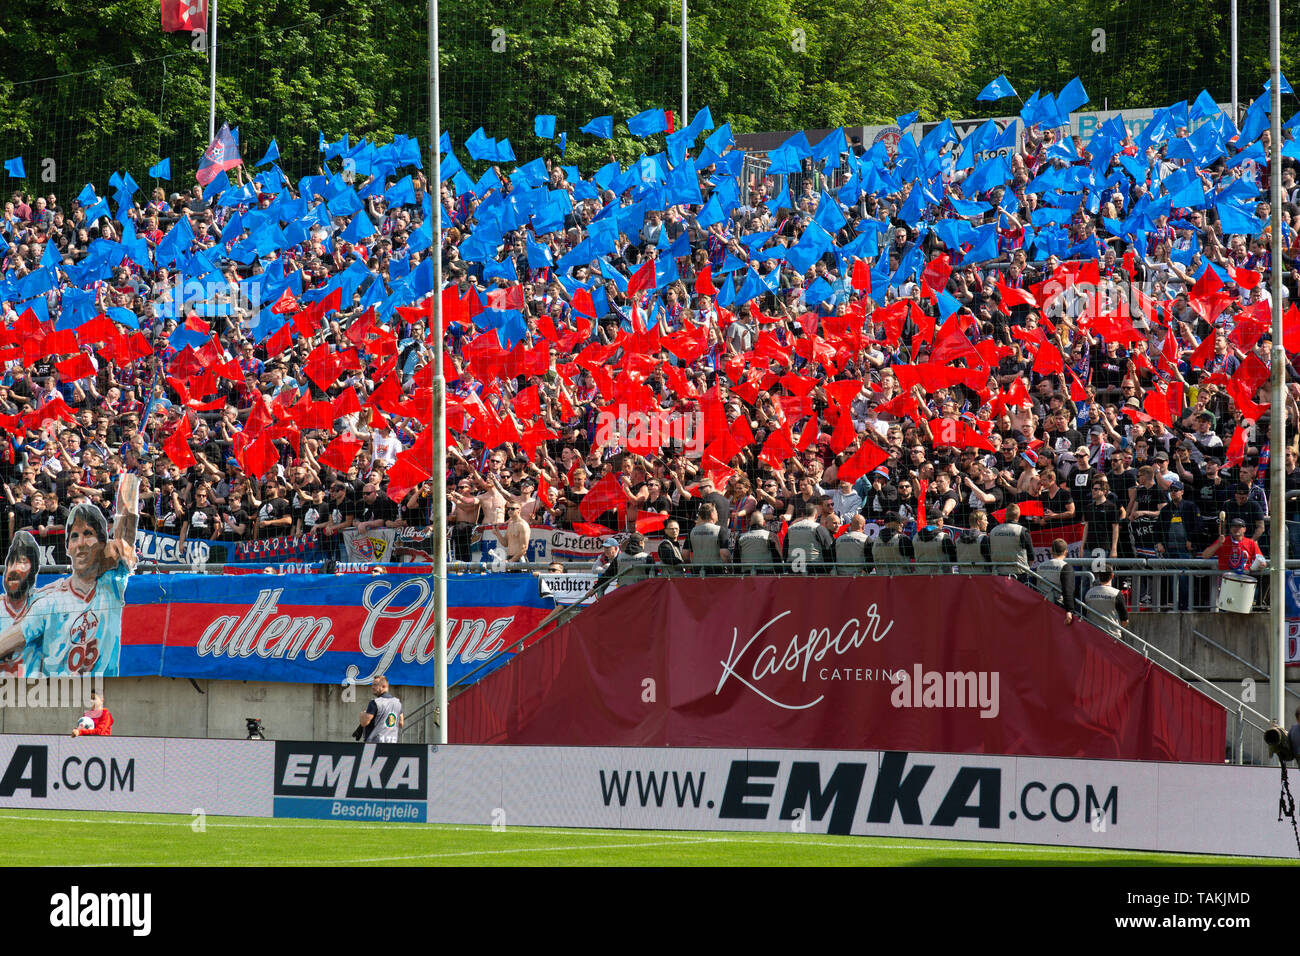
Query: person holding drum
[1238,556]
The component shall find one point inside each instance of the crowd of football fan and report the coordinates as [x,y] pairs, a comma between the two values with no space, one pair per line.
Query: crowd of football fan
[1080,444]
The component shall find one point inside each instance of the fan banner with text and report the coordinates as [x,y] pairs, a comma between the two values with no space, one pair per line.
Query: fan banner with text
[318,629]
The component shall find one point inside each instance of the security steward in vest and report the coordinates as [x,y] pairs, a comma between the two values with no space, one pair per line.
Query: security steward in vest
[670,548]
[710,543]
[808,540]
[1058,574]
[756,549]
[972,545]
[1106,604]
[1010,547]
[631,565]
[933,546]
[852,548]
[891,552]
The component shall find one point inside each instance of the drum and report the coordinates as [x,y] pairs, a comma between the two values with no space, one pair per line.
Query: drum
[1237,592]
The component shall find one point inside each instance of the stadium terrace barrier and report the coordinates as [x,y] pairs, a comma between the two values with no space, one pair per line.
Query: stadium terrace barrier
[977,665]
[1054,802]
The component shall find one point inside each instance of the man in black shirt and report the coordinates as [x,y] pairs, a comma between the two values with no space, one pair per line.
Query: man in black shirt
[275,517]
[1101,521]
[1058,504]
[1080,480]
[377,509]
[342,515]
[1121,477]
[1248,511]
[202,520]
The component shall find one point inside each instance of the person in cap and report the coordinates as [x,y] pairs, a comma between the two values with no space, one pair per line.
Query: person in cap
[1236,552]
[1244,507]
[1175,529]
[934,548]
[892,552]
[608,552]
[632,563]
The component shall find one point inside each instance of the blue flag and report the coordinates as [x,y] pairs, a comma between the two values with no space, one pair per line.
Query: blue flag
[648,122]
[996,90]
[272,154]
[602,126]
[161,170]
[14,167]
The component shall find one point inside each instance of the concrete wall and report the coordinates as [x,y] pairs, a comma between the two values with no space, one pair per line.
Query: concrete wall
[178,707]
[1184,636]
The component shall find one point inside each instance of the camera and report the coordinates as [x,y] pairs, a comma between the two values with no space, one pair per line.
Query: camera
[1279,743]
[255,729]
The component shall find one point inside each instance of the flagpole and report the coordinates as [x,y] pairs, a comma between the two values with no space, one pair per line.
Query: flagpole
[212,76]
[1236,117]
[438,410]
[685,118]
[1277,412]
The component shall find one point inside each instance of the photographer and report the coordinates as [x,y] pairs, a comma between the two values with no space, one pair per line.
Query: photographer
[382,719]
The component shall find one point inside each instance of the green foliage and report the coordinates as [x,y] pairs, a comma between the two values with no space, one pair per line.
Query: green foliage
[100,87]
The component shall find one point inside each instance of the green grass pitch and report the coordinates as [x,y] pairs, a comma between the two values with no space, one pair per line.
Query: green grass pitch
[51,838]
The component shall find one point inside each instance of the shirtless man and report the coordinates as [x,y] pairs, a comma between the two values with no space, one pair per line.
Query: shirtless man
[516,536]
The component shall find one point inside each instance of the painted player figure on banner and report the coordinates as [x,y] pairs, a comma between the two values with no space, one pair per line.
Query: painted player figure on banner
[22,565]
[74,625]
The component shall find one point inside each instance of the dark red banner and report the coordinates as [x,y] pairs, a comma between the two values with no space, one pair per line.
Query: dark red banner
[949,664]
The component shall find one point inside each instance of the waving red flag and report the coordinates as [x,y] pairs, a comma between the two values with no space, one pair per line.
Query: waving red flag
[604,495]
[341,452]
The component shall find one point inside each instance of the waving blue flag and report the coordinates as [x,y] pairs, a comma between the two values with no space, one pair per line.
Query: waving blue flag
[602,126]
[996,90]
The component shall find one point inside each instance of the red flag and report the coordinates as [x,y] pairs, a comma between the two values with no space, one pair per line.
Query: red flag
[867,458]
[650,522]
[1236,448]
[604,495]
[341,452]
[861,280]
[256,456]
[75,368]
[1048,361]
[922,489]
[177,446]
[704,282]
[281,340]
[1012,296]
[778,448]
[187,15]
[1028,509]
[642,280]
[1204,352]
[591,529]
